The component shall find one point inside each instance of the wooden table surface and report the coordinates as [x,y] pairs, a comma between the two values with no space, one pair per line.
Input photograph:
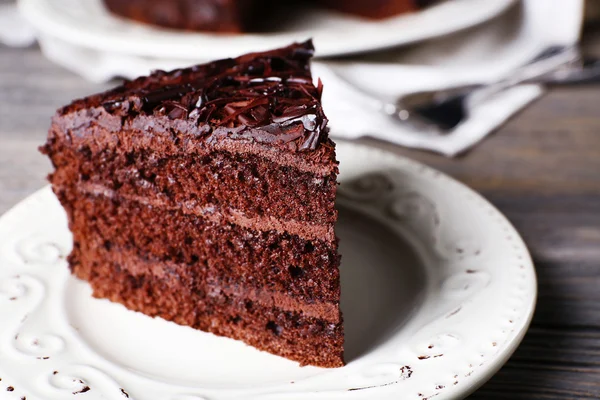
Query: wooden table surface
[542,170]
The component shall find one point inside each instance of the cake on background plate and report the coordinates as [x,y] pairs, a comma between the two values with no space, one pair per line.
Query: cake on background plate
[235,16]
[375,9]
[229,16]
[205,196]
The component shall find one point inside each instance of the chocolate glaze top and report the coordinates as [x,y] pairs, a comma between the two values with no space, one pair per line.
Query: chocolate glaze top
[265,97]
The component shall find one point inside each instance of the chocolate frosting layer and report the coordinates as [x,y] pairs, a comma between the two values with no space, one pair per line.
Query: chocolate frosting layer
[266,97]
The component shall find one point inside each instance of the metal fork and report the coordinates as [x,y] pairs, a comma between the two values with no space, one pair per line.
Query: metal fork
[443,110]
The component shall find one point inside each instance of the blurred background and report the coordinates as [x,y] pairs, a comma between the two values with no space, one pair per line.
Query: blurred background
[500,94]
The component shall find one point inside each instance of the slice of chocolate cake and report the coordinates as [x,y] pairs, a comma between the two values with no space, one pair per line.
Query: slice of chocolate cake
[205,196]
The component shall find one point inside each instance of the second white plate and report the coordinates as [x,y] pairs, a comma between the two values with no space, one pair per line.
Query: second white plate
[87,24]
[437,291]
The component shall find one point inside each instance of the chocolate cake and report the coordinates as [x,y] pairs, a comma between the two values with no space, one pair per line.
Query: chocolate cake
[205,196]
[198,15]
[234,16]
[375,9]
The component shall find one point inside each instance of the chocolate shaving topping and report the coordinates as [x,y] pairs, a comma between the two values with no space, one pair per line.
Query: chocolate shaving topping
[171,109]
[264,97]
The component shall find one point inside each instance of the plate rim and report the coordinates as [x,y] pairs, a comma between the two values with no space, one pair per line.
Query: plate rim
[66,29]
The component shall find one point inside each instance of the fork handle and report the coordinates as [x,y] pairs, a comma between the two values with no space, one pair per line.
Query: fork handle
[587,73]
[525,74]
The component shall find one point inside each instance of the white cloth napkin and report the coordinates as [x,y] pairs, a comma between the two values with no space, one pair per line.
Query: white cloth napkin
[14,30]
[482,54]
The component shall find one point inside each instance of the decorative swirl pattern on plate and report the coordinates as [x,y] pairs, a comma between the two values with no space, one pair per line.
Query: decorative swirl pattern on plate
[78,379]
[22,288]
[31,290]
[463,248]
[39,249]
[417,212]
[368,188]
[384,374]
[13,288]
[63,383]
[41,346]
[436,346]
[465,285]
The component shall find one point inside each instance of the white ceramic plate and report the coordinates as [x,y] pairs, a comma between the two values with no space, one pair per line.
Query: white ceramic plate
[86,23]
[437,292]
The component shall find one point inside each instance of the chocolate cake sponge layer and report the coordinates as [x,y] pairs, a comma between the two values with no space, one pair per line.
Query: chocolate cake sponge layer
[306,340]
[269,259]
[246,183]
